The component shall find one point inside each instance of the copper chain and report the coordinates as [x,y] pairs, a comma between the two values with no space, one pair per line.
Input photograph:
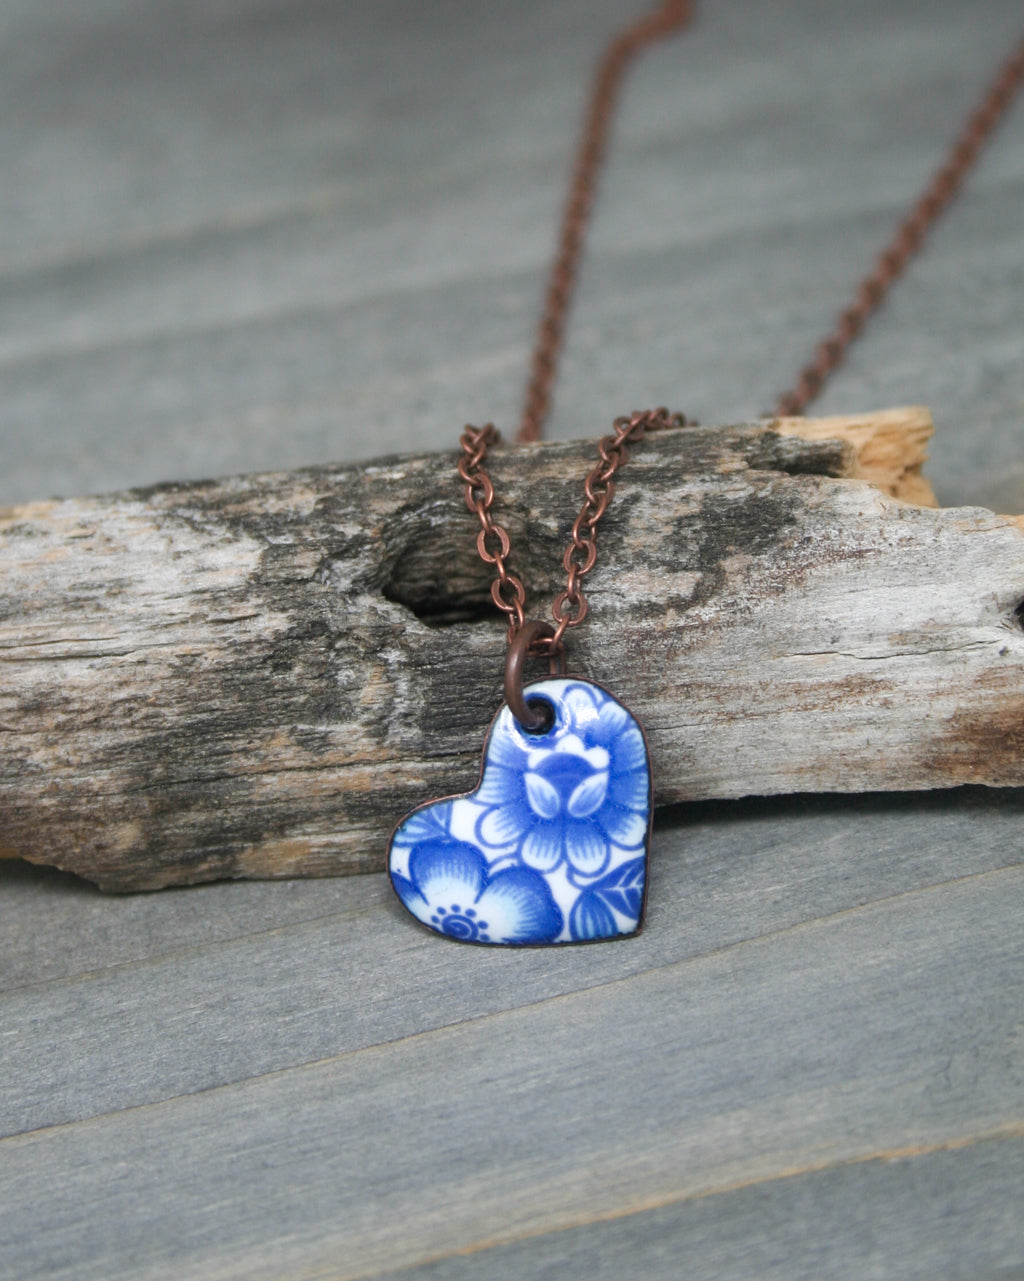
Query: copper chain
[507,590]
[493,544]
[891,263]
[671,17]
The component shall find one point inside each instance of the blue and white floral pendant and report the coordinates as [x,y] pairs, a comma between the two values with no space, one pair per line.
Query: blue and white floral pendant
[551,847]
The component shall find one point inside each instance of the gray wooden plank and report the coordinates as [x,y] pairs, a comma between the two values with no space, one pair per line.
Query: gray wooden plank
[254,393]
[816,854]
[234,236]
[953,1214]
[56,926]
[402,295]
[225,1005]
[863,1036]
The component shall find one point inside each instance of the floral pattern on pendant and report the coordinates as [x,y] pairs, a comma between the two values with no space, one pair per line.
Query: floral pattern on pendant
[551,847]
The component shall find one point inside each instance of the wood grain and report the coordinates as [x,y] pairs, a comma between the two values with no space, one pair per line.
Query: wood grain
[799,1052]
[328,968]
[250,237]
[259,676]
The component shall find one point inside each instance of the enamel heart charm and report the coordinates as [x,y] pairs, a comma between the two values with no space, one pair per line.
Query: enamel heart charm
[551,846]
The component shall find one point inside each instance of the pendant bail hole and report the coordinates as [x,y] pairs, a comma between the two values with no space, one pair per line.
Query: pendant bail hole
[545,710]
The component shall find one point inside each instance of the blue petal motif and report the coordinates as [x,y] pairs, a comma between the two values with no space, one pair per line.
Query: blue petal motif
[425,824]
[405,890]
[449,889]
[621,890]
[570,796]
[552,844]
[444,868]
[591,918]
[522,901]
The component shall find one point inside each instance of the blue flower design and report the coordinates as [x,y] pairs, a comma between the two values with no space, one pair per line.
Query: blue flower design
[573,794]
[592,915]
[551,846]
[450,889]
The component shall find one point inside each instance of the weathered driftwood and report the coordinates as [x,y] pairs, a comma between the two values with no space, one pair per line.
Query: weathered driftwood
[258,676]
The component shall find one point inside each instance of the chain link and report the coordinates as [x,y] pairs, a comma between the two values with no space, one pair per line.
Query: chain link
[892,261]
[667,19]
[507,590]
[570,606]
[493,543]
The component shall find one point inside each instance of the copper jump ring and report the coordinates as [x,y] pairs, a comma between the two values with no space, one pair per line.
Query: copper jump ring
[529,642]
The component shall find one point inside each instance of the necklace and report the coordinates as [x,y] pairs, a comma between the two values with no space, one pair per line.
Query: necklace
[552,844]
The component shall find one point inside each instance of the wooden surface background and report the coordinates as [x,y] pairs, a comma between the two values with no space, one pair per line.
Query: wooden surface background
[275,232]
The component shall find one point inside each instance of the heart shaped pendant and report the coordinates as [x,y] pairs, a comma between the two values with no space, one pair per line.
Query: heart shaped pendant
[551,846]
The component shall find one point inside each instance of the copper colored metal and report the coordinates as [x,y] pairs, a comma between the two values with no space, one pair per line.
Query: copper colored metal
[909,236]
[507,590]
[669,18]
[570,606]
[533,640]
[494,545]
